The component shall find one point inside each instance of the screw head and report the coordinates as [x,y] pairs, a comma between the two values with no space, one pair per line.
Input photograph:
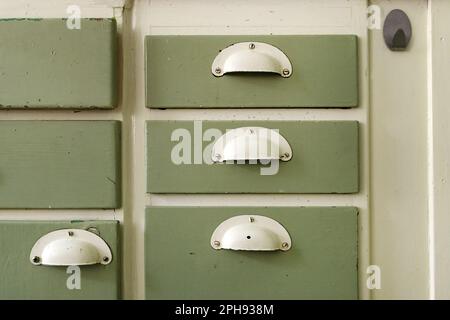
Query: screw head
[216,243]
[36,259]
[285,155]
[70,233]
[105,259]
[286,72]
[285,245]
[218,70]
[251,46]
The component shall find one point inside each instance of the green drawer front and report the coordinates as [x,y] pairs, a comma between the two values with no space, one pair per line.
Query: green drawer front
[181,264]
[325,159]
[43,64]
[178,71]
[60,164]
[22,280]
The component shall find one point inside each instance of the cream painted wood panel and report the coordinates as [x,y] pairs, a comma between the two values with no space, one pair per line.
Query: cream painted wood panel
[58,8]
[399,212]
[439,115]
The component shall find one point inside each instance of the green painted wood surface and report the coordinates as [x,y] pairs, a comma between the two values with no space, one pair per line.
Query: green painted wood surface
[181,264]
[20,279]
[60,164]
[178,73]
[43,64]
[325,160]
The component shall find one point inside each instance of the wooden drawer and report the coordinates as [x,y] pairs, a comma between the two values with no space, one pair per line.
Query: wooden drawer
[60,164]
[324,159]
[182,264]
[323,72]
[44,64]
[23,280]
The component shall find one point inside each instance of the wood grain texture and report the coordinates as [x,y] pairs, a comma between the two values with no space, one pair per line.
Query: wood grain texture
[60,164]
[20,279]
[181,264]
[43,64]
[325,160]
[178,73]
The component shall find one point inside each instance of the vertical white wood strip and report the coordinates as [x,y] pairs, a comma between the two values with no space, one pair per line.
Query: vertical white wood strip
[430,154]
[440,194]
[359,26]
[134,99]
[399,192]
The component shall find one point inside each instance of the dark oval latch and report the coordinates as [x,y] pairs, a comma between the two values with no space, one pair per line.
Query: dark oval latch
[397,30]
